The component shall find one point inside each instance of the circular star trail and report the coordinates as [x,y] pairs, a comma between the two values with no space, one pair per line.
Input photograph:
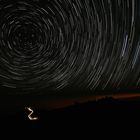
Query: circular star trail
[54,44]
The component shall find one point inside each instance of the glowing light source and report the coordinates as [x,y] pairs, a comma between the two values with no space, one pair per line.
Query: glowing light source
[30,114]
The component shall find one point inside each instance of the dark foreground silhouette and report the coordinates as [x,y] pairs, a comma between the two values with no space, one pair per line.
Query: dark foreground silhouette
[89,113]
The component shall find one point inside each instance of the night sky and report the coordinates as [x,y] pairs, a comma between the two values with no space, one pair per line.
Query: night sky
[58,49]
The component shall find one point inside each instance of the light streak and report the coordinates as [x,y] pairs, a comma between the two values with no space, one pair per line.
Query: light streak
[31,113]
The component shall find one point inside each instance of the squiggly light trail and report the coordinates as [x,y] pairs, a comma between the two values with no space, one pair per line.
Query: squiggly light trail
[29,116]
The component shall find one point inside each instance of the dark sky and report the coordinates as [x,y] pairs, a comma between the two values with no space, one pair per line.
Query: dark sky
[56,52]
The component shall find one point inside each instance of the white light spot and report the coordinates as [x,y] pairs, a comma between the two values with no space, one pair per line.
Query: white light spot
[31,112]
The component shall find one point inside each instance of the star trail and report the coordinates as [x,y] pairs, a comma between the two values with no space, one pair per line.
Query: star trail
[55,44]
